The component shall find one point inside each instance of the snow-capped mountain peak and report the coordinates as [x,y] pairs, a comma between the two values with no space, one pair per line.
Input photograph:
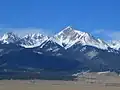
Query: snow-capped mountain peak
[69,30]
[70,36]
[33,40]
[9,37]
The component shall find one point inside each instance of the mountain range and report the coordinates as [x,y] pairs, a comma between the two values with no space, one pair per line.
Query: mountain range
[68,50]
[66,38]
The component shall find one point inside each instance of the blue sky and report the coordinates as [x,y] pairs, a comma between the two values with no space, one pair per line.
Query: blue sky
[98,17]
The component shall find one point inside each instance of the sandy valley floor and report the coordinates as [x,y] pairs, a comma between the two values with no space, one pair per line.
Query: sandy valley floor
[94,82]
[52,85]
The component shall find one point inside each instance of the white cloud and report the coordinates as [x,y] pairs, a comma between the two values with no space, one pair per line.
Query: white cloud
[115,35]
[98,31]
[107,34]
[24,31]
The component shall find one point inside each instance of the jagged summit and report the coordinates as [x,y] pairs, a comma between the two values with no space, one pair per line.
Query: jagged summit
[68,28]
[33,40]
[70,36]
[28,41]
[9,37]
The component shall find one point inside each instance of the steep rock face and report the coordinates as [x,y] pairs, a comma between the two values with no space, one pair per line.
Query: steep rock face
[50,47]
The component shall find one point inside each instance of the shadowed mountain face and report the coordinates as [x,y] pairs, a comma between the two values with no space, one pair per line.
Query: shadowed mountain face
[69,50]
[75,58]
